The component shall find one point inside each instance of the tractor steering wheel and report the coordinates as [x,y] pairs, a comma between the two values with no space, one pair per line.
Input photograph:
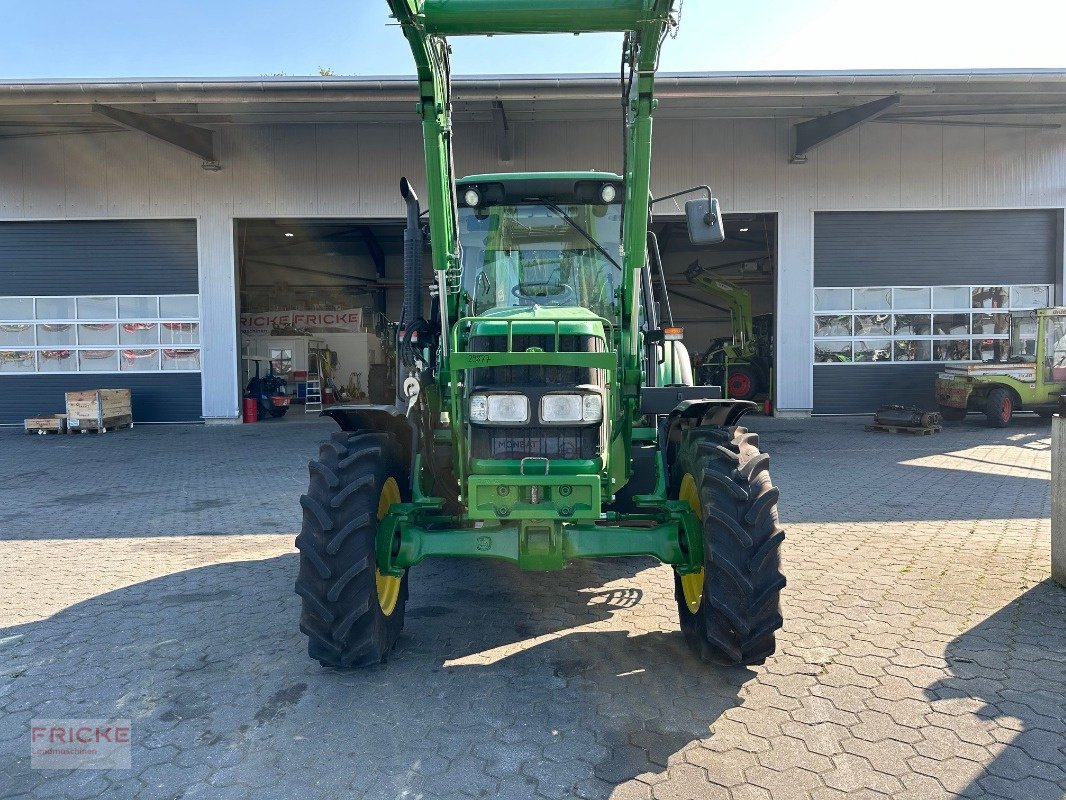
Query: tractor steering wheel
[545,293]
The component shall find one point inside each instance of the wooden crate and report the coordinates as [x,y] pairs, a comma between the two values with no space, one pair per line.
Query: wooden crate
[99,410]
[52,423]
[98,403]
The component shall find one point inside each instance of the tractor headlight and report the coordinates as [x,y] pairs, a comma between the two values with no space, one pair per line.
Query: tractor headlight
[570,409]
[501,408]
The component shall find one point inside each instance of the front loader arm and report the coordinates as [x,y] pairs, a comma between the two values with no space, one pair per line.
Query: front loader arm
[426,23]
[737,299]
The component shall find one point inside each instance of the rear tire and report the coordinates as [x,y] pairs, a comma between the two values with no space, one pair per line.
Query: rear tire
[999,407]
[951,414]
[730,614]
[351,614]
[742,383]
[278,412]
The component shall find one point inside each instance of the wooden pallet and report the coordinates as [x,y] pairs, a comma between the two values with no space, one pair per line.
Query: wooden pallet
[86,425]
[53,423]
[903,429]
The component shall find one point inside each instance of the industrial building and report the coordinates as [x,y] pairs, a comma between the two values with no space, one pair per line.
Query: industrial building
[153,231]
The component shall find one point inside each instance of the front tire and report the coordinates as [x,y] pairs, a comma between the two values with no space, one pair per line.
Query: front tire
[951,414]
[352,614]
[999,407]
[730,611]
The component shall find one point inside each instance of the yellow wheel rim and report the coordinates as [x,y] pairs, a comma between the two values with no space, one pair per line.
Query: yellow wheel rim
[388,586]
[692,584]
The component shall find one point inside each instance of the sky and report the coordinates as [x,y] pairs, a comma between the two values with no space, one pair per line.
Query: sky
[250,38]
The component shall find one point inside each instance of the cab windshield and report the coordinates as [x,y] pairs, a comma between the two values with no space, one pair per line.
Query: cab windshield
[541,254]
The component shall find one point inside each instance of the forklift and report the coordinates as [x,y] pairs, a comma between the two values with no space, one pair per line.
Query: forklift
[1028,375]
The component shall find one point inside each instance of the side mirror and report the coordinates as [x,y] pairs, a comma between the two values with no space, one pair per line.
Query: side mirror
[704,217]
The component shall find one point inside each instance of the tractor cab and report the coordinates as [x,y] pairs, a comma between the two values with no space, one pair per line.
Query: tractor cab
[1026,372]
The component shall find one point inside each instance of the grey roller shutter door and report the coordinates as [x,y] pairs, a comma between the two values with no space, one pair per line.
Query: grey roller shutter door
[100,257]
[921,248]
[931,248]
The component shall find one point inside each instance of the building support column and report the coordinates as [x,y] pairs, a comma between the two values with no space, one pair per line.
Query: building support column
[1058,499]
[220,341]
[794,315]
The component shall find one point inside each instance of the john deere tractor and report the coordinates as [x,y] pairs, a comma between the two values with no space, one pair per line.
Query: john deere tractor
[544,414]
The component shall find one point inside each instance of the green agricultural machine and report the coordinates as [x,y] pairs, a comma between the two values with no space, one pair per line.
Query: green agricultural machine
[547,415]
[743,362]
[1029,374]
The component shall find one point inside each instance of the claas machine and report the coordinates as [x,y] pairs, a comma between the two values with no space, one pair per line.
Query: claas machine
[1026,373]
[743,362]
[545,414]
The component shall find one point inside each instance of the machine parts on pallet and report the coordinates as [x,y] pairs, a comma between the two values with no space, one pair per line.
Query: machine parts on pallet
[905,419]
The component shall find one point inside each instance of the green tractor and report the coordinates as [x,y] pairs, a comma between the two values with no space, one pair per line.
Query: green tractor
[743,362]
[1026,373]
[546,415]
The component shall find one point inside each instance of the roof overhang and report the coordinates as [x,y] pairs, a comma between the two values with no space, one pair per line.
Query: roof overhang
[971,97]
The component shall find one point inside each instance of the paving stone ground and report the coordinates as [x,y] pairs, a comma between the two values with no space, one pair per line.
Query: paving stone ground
[148,574]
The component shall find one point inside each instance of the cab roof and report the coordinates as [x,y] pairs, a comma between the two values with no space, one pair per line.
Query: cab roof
[508,177]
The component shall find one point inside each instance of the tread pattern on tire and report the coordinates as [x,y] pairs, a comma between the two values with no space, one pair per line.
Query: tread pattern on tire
[340,615]
[952,414]
[740,611]
[993,406]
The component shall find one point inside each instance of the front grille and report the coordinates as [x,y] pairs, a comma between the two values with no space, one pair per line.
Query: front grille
[541,441]
[536,375]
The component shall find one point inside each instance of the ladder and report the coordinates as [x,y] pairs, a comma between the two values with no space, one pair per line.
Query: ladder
[313,395]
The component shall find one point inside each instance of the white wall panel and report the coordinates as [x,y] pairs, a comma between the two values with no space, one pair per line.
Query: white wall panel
[338,183]
[295,167]
[713,160]
[964,167]
[921,166]
[354,170]
[837,164]
[379,170]
[1045,167]
[674,165]
[44,190]
[755,165]
[250,152]
[1004,157]
[170,179]
[126,162]
[85,171]
[879,165]
[12,182]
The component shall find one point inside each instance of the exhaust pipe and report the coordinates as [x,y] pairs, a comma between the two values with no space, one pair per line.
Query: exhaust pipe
[412,257]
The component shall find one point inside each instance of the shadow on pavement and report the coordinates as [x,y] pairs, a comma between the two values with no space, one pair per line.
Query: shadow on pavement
[1011,669]
[503,682]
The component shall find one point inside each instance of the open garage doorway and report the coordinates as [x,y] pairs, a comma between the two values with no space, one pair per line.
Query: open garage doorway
[317,301]
[724,296]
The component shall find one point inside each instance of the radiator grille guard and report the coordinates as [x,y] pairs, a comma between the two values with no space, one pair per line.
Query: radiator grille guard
[534,439]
